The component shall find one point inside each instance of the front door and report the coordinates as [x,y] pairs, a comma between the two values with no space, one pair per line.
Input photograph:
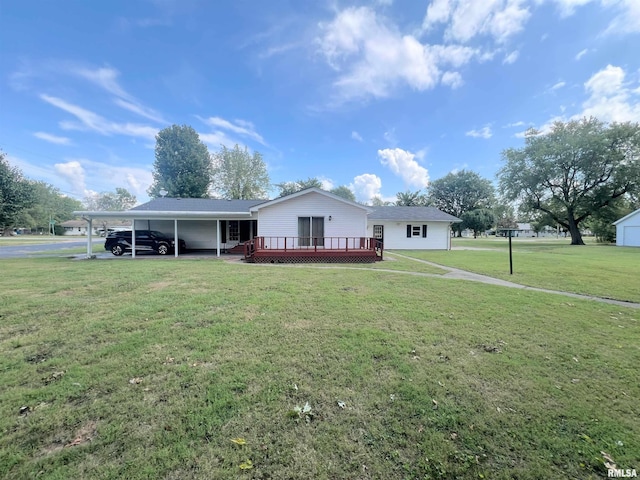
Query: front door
[311,231]
[378,232]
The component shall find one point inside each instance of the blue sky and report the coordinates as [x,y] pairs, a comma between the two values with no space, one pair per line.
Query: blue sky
[381,96]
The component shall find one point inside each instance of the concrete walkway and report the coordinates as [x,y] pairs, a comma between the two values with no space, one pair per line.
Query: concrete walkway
[458,274]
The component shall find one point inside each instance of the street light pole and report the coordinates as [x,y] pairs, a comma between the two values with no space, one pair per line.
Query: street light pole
[510,254]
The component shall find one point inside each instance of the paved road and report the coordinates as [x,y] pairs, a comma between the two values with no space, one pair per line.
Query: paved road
[53,248]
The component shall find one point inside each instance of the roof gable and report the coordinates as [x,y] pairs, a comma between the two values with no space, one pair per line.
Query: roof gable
[307,191]
[627,217]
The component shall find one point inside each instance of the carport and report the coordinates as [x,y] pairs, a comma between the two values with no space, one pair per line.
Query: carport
[177,219]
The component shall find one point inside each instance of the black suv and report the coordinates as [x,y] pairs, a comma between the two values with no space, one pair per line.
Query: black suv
[146,240]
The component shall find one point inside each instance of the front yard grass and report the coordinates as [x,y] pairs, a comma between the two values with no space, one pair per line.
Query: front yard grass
[593,269]
[150,369]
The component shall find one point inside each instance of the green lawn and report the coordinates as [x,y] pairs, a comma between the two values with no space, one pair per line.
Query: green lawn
[594,269]
[149,369]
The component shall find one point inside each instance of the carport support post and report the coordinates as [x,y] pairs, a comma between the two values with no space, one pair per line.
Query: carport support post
[218,237]
[90,239]
[175,238]
[133,238]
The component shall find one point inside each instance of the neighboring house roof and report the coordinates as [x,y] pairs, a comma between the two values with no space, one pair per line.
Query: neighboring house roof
[626,217]
[420,214]
[307,191]
[74,223]
[197,205]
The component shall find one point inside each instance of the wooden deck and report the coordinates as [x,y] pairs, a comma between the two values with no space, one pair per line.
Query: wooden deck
[313,250]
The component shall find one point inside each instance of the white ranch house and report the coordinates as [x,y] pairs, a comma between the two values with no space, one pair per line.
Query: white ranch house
[308,223]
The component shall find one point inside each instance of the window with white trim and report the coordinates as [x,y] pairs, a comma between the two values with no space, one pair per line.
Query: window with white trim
[416,231]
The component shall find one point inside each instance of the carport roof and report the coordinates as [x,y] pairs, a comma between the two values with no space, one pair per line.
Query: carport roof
[197,205]
[419,214]
[182,208]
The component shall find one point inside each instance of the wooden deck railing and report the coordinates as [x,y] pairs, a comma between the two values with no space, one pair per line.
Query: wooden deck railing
[319,245]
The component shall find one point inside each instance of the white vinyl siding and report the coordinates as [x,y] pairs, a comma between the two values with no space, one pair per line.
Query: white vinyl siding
[395,235]
[281,219]
[628,231]
[197,234]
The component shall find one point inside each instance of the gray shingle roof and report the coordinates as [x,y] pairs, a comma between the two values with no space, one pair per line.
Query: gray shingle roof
[197,205]
[421,214]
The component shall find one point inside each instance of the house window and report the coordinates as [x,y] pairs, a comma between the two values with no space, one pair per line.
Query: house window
[378,232]
[416,231]
[234,231]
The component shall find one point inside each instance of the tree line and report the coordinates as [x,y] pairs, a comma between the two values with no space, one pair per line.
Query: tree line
[582,173]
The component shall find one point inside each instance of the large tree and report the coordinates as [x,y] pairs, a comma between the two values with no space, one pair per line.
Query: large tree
[287,188]
[183,165]
[410,199]
[49,205]
[344,192]
[574,170]
[117,201]
[460,192]
[478,220]
[16,195]
[237,174]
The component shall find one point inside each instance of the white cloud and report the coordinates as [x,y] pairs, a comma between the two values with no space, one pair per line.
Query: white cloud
[467,19]
[403,164]
[73,173]
[327,183]
[558,85]
[356,136]
[138,109]
[484,132]
[92,121]
[511,58]
[611,99]
[514,124]
[628,19]
[452,79]
[105,78]
[568,7]
[366,186]
[240,127]
[48,137]
[216,139]
[390,137]
[372,58]
[581,53]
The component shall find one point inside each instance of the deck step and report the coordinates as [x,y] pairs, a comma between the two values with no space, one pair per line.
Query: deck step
[238,249]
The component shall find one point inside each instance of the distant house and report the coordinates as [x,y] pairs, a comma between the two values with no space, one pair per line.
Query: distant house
[80,227]
[628,230]
[76,227]
[309,225]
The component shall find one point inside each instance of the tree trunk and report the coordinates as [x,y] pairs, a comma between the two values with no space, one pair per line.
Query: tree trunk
[576,236]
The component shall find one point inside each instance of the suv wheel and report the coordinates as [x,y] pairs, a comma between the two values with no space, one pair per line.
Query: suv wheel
[117,250]
[163,249]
